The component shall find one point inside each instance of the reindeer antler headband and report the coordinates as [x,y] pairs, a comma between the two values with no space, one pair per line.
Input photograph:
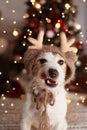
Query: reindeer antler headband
[65,50]
[65,44]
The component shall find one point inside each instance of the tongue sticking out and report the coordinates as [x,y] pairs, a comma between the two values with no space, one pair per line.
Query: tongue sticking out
[49,81]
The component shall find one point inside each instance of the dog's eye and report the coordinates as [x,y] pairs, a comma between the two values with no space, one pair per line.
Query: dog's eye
[61,62]
[42,61]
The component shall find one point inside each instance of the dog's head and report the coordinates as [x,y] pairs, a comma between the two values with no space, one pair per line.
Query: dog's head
[50,65]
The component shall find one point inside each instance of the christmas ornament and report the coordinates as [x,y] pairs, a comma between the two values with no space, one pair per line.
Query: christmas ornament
[50,33]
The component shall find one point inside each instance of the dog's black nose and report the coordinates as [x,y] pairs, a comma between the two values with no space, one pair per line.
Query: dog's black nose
[53,73]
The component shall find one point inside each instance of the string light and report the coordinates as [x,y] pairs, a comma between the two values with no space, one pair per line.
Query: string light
[24,44]
[78,26]
[26,16]
[4,31]
[77,103]
[37,5]
[2,46]
[2,18]
[4,98]
[14,22]
[13,88]
[6,1]
[77,84]
[50,9]
[63,15]
[57,25]
[76,94]
[0,73]
[84,1]
[12,104]
[15,62]
[7,81]
[33,15]
[6,111]
[13,11]
[17,78]
[32,1]
[68,101]
[67,6]
[15,33]
[67,89]
[2,104]
[25,37]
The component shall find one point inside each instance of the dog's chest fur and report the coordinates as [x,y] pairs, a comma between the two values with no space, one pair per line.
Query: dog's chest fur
[56,113]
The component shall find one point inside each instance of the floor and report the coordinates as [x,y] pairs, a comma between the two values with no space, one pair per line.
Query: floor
[10,112]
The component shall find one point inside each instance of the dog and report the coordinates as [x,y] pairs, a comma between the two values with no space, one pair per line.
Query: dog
[50,69]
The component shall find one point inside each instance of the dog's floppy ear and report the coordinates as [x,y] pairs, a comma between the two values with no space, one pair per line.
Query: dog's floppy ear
[69,54]
[70,58]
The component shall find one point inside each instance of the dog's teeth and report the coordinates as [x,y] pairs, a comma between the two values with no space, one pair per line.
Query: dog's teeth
[48,81]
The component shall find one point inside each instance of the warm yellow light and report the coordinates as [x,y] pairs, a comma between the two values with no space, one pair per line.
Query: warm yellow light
[20,57]
[15,33]
[25,37]
[0,73]
[15,61]
[67,6]
[12,104]
[68,100]
[32,1]
[85,68]
[63,15]
[2,104]
[24,44]
[2,18]
[67,89]
[13,11]
[13,88]
[48,20]
[17,78]
[14,22]
[57,25]
[6,111]
[33,15]
[26,16]
[7,81]
[6,1]
[84,1]
[77,103]
[77,84]
[78,26]
[2,46]
[50,9]
[37,5]
[4,31]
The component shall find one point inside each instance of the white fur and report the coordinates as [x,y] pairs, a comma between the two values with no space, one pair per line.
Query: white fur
[57,112]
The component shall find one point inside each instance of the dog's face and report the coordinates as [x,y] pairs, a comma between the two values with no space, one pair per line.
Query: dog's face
[49,69]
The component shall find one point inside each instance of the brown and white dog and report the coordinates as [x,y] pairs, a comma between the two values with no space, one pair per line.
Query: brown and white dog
[50,68]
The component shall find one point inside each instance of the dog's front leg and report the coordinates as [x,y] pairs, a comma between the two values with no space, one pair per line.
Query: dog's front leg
[25,125]
[61,125]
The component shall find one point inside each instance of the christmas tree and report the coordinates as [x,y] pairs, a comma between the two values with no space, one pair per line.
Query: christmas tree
[54,17]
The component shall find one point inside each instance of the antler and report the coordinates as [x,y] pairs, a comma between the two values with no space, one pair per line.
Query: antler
[37,43]
[66,44]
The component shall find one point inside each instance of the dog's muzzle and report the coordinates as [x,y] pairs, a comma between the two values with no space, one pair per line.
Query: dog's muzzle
[50,79]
